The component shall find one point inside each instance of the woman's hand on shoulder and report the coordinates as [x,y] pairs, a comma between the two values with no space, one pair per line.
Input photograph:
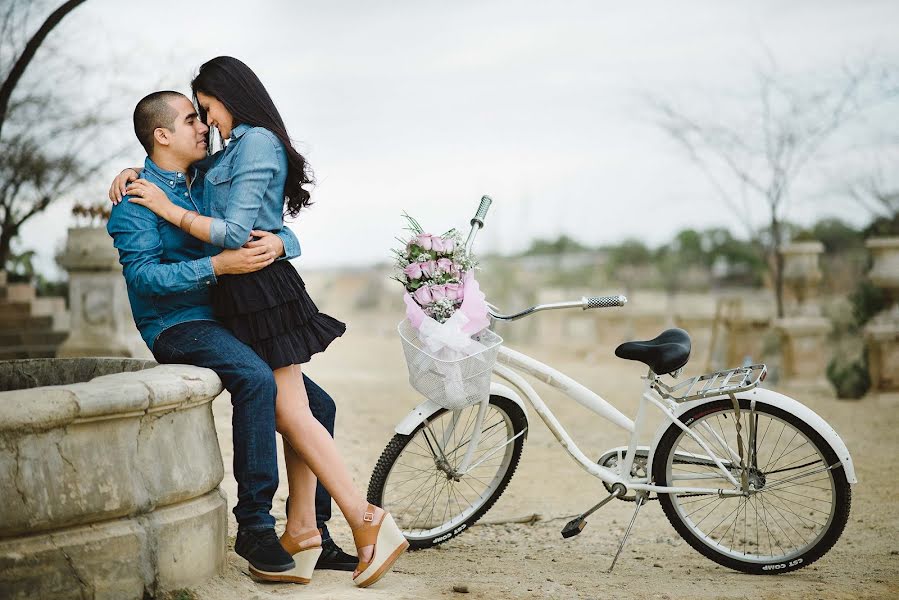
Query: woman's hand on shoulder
[146,193]
[120,183]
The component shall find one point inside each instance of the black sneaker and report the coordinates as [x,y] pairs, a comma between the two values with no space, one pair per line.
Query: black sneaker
[263,551]
[332,557]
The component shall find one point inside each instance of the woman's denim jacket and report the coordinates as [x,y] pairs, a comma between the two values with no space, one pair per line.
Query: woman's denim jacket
[245,186]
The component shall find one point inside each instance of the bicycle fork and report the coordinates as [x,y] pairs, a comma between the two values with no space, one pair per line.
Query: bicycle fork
[440,454]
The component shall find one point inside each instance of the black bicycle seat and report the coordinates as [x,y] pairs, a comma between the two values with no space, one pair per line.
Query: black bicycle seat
[666,353]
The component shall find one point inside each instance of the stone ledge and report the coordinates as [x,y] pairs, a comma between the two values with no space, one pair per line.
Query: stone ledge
[114,446]
[103,469]
[120,394]
[175,547]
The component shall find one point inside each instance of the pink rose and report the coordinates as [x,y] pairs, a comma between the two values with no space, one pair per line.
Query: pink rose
[438,292]
[437,243]
[445,265]
[413,271]
[424,241]
[453,291]
[449,246]
[428,268]
[423,296]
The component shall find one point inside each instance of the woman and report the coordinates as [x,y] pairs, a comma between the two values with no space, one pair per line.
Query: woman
[247,185]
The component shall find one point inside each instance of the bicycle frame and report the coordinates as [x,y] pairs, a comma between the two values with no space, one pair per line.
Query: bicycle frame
[513,361]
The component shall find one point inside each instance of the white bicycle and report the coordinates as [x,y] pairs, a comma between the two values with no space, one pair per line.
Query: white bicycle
[750,478]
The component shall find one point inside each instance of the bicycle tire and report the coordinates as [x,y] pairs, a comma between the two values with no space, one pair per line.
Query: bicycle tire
[779,509]
[381,494]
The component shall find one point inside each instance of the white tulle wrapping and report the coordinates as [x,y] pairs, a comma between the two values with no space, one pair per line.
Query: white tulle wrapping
[454,367]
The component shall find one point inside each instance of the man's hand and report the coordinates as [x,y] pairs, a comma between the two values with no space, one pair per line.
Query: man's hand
[117,189]
[271,242]
[242,260]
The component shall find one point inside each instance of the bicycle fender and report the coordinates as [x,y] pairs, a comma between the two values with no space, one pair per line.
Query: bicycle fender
[427,408]
[782,402]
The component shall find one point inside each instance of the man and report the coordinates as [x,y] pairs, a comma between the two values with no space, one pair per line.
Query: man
[169,274]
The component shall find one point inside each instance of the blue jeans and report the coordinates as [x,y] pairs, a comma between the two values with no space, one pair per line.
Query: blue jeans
[253,390]
[251,383]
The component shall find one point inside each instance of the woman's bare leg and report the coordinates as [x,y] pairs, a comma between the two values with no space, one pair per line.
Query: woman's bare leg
[311,441]
[301,481]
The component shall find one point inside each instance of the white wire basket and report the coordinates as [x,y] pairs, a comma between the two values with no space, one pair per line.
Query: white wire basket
[449,378]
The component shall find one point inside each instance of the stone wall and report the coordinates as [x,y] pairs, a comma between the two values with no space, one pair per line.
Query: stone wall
[109,479]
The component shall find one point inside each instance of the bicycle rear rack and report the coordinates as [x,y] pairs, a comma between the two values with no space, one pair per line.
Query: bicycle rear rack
[731,381]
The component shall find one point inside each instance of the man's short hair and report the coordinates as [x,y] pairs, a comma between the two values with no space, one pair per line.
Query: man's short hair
[151,112]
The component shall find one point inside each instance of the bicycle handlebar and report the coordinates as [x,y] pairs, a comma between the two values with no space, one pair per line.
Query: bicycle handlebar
[478,218]
[604,301]
[584,303]
[477,222]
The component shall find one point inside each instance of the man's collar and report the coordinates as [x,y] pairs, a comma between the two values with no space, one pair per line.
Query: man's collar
[240,130]
[170,178]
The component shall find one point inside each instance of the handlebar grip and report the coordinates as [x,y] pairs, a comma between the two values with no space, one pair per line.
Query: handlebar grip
[478,218]
[604,301]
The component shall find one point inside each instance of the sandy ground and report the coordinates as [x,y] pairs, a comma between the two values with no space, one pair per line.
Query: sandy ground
[365,373]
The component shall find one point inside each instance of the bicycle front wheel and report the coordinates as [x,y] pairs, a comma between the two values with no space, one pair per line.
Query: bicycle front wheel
[798,502]
[417,478]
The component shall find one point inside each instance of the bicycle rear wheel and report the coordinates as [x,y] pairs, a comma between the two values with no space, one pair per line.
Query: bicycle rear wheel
[416,480]
[799,500]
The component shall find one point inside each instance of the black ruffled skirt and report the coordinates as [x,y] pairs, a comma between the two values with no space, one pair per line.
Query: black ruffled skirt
[271,312]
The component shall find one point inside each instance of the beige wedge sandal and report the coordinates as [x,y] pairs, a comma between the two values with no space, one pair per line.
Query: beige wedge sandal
[305,559]
[388,541]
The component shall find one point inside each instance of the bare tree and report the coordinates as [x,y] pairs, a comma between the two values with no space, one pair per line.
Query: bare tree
[878,191]
[27,55]
[760,157]
[48,136]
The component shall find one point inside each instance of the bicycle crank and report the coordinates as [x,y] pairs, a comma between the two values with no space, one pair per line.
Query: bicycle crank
[610,460]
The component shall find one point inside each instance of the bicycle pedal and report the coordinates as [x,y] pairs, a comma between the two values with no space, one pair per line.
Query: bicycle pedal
[574,527]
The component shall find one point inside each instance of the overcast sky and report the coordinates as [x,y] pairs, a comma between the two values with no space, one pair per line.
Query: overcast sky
[425,106]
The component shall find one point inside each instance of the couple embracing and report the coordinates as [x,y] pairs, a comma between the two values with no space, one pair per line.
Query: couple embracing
[204,251]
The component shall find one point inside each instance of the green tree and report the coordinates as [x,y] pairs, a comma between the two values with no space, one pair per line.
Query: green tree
[561,245]
[632,253]
[837,236]
[741,261]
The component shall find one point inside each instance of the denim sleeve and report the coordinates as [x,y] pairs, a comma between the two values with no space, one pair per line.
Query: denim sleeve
[135,235]
[291,244]
[254,167]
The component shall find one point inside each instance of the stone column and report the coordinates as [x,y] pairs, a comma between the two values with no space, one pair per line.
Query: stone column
[882,332]
[101,321]
[803,329]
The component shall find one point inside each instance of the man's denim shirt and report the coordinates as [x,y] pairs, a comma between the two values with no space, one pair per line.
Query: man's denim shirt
[245,186]
[168,272]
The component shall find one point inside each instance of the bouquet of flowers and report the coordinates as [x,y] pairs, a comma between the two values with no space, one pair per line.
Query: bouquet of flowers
[445,331]
[432,268]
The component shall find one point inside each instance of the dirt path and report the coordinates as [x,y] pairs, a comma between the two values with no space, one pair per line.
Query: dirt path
[365,374]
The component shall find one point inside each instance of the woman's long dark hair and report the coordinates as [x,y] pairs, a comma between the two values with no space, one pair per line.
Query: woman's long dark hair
[235,85]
